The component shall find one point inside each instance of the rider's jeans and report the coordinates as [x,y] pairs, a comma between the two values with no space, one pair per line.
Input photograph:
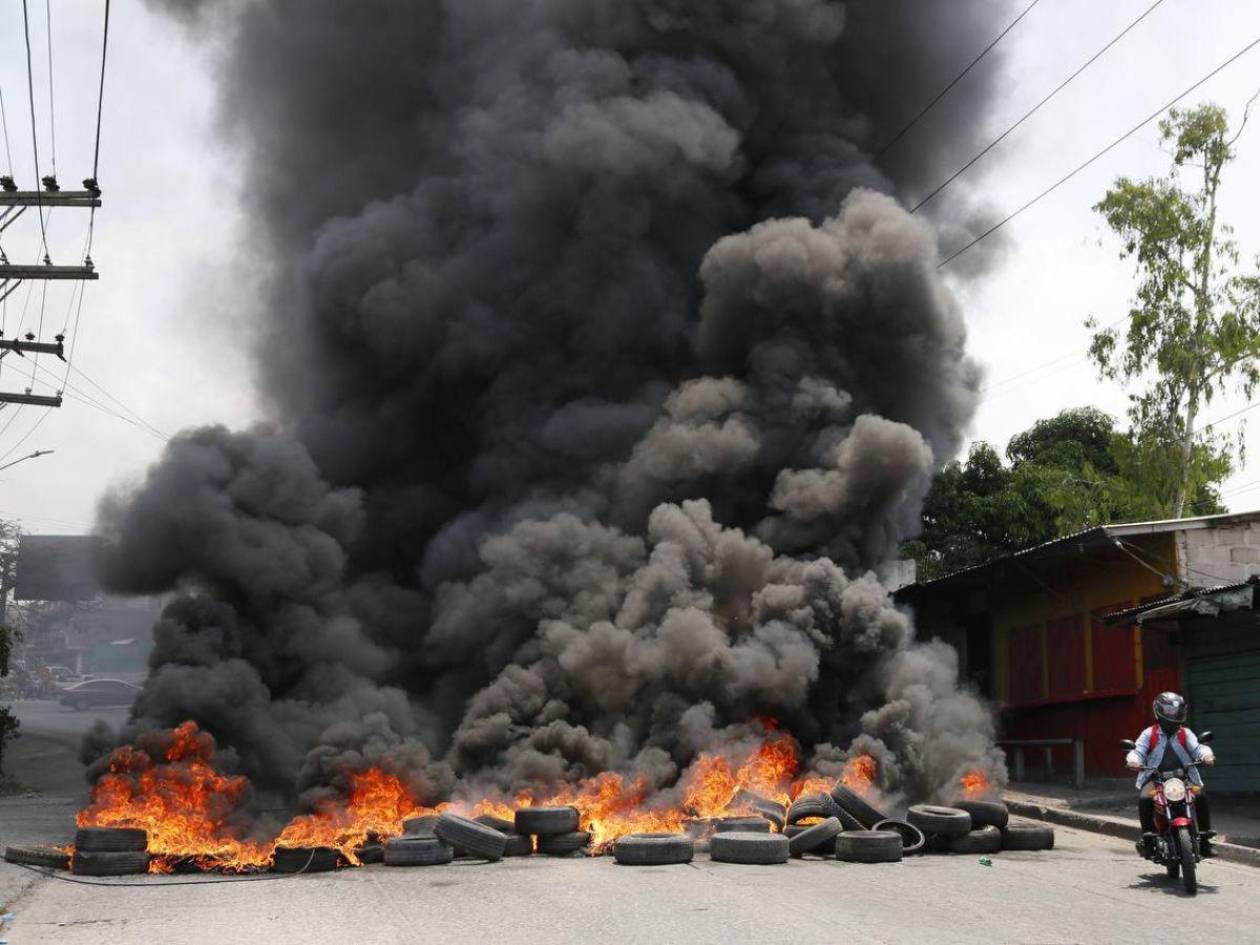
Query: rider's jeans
[1146,807]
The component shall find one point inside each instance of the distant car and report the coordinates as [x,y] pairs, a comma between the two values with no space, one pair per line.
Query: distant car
[99,692]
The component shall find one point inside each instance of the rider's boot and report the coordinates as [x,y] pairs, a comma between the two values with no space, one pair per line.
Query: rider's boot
[1147,847]
[1205,844]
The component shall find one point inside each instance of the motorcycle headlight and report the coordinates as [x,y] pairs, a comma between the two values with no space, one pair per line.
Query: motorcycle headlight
[1175,789]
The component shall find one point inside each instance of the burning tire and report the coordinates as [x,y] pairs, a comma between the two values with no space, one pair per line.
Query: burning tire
[51,857]
[820,805]
[370,853]
[869,846]
[812,838]
[753,849]
[826,848]
[305,860]
[772,812]
[110,839]
[518,845]
[941,821]
[420,826]
[470,836]
[496,823]
[985,813]
[1027,837]
[545,821]
[984,840]
[741,825]
[109,862]
[852,802]
[418,851]
[912,839]
[653,849]
[560,844]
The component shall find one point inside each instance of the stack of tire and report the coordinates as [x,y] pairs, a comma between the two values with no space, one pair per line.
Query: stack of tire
[434,840]
[844,825]
[556,831]
[976,827]
[110,851]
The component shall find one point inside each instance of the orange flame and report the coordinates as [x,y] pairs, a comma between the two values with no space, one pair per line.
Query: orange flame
[859,775]
[975,785]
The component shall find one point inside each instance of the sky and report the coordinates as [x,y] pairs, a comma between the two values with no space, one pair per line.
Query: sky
[164,335]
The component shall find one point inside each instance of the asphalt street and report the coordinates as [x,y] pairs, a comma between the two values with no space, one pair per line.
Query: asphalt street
[45,757]
[1090,889]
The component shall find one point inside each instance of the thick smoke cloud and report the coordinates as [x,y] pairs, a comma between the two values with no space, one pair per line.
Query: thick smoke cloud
[605,370]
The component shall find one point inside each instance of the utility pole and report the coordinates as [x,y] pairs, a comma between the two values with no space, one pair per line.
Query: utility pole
[36,455]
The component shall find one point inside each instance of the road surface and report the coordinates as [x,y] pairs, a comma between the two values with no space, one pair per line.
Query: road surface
[46,756]
[1090,889]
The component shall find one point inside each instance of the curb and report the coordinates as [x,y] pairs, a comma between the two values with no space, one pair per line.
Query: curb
[1122,829]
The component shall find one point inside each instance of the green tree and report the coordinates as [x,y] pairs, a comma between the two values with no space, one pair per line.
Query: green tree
[1194,328]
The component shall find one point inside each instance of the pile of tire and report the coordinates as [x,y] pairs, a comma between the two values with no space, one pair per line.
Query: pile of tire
[845,825]
[977,826]
[556,831]
[110,851]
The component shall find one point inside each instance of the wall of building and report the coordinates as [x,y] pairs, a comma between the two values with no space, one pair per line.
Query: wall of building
[1228,554]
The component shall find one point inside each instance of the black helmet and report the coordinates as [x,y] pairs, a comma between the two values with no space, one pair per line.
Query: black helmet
[1170,711]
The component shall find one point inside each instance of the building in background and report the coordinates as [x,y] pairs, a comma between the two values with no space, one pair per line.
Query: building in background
[1074,638]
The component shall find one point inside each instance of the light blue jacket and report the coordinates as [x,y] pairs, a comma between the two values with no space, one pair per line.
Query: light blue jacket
[1150,752]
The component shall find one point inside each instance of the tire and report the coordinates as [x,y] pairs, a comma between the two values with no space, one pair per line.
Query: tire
[470,836]
[653,849]
[518,845]
[110,839]
[942,821]
[545,821]
[741,825]
[560,844]
[985,813]
[984,840]
[1189,878]
[418,851]
[496,823]
[754,849]
[869,846]
[1027,837]
[1173,870]
[370,853]
[772,812]
[823,806]
[51,857]
[826,848]
[110,862]
[813,837]
[420,826]
[305,860]
[912,839]
[851,801]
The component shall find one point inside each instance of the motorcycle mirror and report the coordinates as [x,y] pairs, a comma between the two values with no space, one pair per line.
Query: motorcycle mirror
[1205,737]
[1131,744]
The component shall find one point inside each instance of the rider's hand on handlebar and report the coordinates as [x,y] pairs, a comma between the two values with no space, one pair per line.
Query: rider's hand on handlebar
[1209,758]
[1132,763]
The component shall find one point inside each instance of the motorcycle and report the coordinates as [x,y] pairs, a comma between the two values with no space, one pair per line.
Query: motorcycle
[1176,822]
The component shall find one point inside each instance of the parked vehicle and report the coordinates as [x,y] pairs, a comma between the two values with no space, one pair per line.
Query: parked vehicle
[1176,822]
[99,692]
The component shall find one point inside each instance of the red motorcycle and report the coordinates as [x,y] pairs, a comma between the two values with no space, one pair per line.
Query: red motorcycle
[1176,822]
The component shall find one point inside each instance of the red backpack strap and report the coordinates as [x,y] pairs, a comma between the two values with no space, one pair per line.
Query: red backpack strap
[1154,739]
[1181,736]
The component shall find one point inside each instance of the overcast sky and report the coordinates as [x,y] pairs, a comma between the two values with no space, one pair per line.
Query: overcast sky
[165,330]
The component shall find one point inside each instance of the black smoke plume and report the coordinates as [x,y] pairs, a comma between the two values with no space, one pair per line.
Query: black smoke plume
[606,374]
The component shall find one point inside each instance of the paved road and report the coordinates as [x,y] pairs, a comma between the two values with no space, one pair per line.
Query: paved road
[46,756]
[1090,889]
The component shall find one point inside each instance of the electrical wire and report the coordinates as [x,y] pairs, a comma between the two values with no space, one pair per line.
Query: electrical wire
[52,108]
[35,426]
[83,397]
[958,78]
[100,96]
[30,91]
[1036,108]
[4,122]
[83,374]
[1120,140]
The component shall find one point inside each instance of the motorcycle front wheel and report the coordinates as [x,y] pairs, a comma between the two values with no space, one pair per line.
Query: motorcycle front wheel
[1185,844]
[1173,869]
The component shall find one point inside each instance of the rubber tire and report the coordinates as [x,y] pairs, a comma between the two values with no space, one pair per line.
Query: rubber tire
[1173,870]
[741,825]
[942,821]
[110,862]
[653,849]
[985,813]
[545,821]
[110,839]
[869,846]
[519,845]
[826,848]
[420,826]
[752,849]
[418,851]
[815,836]
[852,802]
[496,823]
[305,860]
[51,857]
[560,844]
[470,837]
[1189,877]
[912,839]
[984,840]
[1027,837]
[772,812]
[370,853]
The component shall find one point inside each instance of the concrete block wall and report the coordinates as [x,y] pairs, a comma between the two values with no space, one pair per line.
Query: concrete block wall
[1228,554]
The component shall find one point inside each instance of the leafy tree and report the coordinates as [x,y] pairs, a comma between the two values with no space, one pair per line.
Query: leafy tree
[9,535]
[1194,328]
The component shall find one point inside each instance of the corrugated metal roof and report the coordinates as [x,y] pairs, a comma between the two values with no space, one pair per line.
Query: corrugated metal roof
[1181,603]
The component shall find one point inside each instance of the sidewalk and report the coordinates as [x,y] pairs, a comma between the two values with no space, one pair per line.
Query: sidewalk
[1109,806]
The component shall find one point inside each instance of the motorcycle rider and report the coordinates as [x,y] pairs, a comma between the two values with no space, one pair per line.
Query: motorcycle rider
[1152,751]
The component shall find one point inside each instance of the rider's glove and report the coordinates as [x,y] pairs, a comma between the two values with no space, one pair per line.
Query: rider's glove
[1208,757]
[1132,760]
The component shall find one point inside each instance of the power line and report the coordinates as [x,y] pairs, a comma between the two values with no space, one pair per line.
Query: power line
[83,374]
[30,91]
[1032,111]
[958,78]
[1070,356]
[1120,140]
[100,97]
[4,120]
[35,426]
[52,108]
